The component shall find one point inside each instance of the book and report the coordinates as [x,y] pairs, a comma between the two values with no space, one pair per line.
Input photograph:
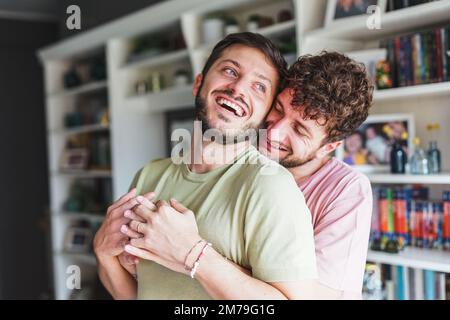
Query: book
[418,284]
[429,285]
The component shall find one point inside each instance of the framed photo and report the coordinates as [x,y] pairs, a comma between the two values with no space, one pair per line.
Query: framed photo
[370,58]
[178,119]
[74,159]
[340,9]
[368,148]
[78,239]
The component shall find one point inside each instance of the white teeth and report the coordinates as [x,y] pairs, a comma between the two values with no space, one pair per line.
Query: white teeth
[237,109]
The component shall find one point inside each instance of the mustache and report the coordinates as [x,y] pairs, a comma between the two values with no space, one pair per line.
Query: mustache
[229,94]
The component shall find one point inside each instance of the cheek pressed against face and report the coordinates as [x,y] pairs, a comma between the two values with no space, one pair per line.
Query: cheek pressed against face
[238,90]
[295,140]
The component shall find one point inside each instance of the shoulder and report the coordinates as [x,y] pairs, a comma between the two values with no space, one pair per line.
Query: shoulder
[151,170]
[345,177]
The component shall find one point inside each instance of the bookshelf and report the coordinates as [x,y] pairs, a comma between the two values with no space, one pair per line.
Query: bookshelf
[137,126]
[414,258]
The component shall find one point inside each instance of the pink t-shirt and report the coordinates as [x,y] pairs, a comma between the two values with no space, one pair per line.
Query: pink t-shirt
[340,201]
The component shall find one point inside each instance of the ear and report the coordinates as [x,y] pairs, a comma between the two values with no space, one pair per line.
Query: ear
[328,148]
[197,83]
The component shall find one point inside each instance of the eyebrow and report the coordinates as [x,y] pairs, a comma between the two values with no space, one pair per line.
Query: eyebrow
[238,65]
[308,131]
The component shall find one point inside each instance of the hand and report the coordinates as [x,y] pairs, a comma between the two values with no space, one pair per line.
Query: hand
[128,262]
[109,241]
[170,231]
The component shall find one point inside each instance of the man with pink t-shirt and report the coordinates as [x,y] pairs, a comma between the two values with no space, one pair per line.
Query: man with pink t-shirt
[326,98]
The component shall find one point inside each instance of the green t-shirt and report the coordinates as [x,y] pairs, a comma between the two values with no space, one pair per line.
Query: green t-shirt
[251,211]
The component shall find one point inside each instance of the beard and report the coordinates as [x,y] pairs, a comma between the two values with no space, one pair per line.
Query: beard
[292,161]
[229,136]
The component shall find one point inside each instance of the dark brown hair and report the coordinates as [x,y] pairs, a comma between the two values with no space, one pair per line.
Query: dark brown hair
[333,89]
[252,40]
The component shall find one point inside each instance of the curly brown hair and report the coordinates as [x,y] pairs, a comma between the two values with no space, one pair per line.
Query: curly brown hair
[333,90]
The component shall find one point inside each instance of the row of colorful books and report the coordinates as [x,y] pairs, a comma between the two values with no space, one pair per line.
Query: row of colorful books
[419,58]
[406,217]
[386,282]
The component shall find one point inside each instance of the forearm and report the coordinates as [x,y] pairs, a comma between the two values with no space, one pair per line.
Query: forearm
[223,280]
[119,282]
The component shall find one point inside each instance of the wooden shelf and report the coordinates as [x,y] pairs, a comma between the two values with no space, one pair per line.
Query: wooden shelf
[85,173]
[426,259]
[423,90]
[152,61]
[395,22]
[168,99]
[82,129]
[387,178]
[86,88]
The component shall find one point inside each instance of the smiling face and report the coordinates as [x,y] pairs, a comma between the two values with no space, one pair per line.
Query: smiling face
[237,92]
[295,140]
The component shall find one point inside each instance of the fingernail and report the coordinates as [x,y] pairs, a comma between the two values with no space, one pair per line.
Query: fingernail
[174,200]
[123,228]
[127,213]
[141,199]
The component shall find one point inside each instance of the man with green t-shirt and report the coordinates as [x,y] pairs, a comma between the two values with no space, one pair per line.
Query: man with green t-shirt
[248,209]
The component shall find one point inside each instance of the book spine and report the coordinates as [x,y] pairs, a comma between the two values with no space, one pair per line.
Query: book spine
[438,63]
[429,285]
[444,46]
[418,285]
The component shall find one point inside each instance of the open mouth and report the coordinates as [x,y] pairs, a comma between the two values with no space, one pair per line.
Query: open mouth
[232,107]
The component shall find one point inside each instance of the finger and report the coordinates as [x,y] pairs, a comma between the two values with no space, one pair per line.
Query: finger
[161,203]
[178,206]
[119,211]
[123,199]
[144,254]
[146,202]
[143,212]
[139,243]
[131,259]
[129,214]
[129,232]
[137,226]
[150,195]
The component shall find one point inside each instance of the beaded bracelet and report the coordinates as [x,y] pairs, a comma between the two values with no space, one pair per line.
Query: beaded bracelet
[187,255]
[197,262]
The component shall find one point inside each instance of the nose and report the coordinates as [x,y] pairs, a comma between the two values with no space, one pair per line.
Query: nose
[238,88]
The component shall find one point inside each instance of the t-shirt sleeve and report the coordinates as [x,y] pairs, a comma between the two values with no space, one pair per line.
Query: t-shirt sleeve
[135,179]
[342,236]
[278,231]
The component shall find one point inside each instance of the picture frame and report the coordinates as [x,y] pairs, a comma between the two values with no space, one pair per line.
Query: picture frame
[368,148]
[370,59]
[78,239]
[74,159]
[338,10]
[178,119]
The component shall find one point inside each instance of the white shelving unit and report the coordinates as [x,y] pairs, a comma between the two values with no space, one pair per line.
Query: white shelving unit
[414,258]
[137,127]
[432,179]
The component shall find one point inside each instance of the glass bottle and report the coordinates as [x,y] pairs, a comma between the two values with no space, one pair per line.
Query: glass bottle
[398,158]
[419,160]
[434,158]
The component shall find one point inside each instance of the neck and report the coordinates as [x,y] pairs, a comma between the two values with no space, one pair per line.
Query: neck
[303,172]
[207,156]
